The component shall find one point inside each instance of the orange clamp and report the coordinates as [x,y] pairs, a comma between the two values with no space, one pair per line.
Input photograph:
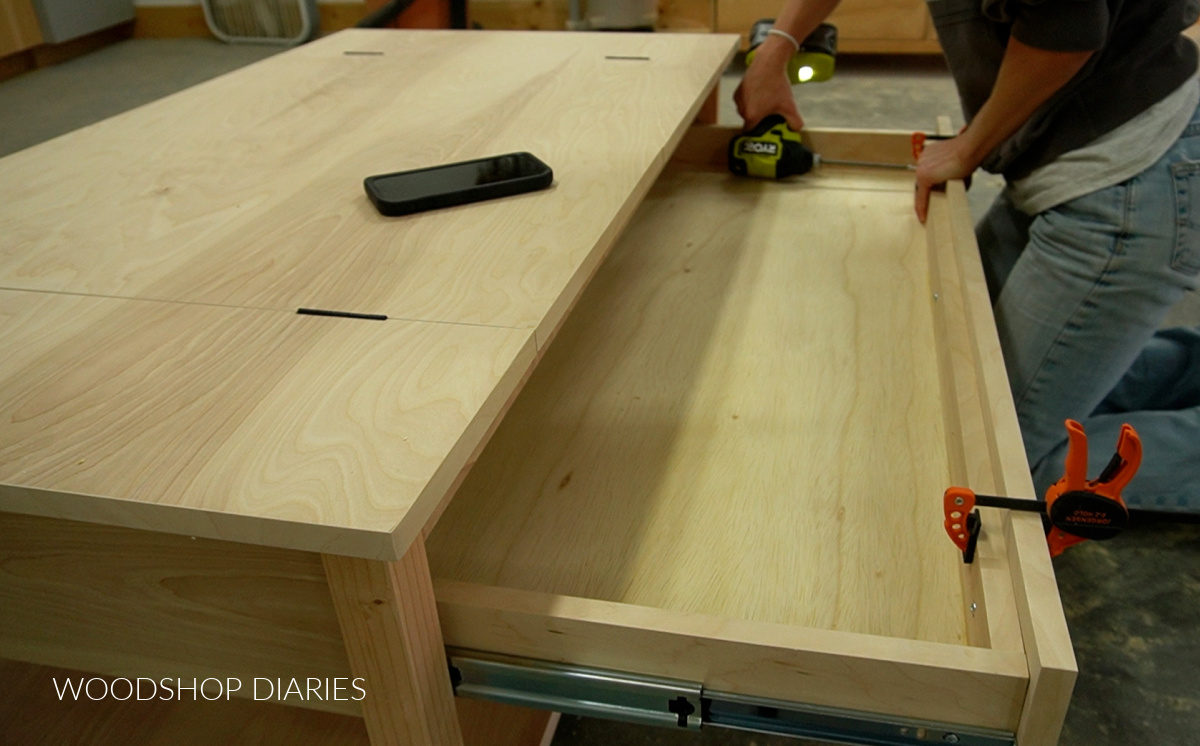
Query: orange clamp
[920,138]
[1082,509]
[918,144]
[1077,509]
[957,504]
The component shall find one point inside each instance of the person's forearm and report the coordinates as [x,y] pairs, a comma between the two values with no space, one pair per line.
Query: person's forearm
[1027,78]
[765,88]
[798,18]
[801,17]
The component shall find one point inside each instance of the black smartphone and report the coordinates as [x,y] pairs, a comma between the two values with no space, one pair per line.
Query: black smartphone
[406,192]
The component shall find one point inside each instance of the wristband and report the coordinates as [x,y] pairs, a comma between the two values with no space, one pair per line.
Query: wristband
[786,35]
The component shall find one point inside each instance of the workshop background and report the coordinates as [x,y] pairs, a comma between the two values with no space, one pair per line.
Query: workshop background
[1133,604]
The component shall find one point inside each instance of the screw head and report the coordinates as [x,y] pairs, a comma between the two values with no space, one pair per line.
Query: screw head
[950,738]
[959,501]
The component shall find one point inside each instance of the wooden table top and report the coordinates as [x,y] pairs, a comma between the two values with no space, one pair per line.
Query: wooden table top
[155,372]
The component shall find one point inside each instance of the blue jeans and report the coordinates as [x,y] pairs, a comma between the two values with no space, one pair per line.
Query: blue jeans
[1079,292]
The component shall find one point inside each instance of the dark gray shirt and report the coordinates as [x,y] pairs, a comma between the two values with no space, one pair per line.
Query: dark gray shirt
[1140,58]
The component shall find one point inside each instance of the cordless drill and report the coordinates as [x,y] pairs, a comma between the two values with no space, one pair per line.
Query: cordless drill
[772,150]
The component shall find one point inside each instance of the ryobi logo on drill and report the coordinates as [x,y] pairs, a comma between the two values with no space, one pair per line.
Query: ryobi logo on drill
[757,147]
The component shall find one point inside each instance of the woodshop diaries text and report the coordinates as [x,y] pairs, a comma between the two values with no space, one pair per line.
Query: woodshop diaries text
[142,689]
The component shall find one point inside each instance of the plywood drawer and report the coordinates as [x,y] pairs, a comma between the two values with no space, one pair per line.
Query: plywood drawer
[728,466]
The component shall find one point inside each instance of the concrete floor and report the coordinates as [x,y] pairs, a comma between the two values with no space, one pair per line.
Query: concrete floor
[1133,604]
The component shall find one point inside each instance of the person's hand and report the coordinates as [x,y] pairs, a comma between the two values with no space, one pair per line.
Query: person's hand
[765,88]
[940,161]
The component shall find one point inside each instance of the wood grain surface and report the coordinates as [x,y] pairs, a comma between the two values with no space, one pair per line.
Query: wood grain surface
[326,434]
[742,418]
[130,603]
[987,582]
[1047,641]
[389,622]
[869,673]
[148,264]
[247,190]
[33,714]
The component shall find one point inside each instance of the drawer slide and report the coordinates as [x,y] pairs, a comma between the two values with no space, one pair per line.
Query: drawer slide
[575,690]
[656,701]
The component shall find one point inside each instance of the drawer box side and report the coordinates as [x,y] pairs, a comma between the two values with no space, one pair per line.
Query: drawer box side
[906,678]
[1052,665]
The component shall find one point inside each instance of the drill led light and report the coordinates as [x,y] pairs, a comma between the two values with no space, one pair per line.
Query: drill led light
[813,62]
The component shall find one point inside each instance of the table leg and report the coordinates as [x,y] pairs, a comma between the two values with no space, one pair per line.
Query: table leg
[710,109]
[388,617]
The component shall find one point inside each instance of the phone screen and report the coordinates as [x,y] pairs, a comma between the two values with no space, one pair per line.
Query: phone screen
[455,177]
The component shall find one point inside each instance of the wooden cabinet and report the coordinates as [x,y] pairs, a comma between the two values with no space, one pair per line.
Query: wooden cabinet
[19,29]
[865,26]
[720,464]
[30,39]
